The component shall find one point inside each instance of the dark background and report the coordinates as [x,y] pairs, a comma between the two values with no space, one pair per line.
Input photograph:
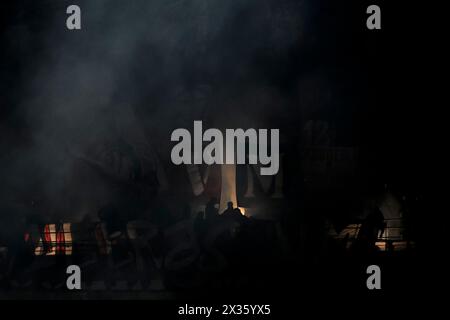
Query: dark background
[265,63]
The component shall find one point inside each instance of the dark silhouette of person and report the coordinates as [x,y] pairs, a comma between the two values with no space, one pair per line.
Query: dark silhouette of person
[229,210]
[237,212]
[237,217]
[110,215]
[36,218]
[211,212]
[371,227]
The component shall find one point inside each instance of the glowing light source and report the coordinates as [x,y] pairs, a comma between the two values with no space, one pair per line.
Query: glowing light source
[228,190]
[58,241]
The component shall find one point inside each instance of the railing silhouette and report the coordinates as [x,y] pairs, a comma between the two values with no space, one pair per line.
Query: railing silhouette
[390,239]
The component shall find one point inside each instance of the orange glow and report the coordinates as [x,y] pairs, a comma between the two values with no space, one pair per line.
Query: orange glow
[228,190]
[381,245]
[65,241]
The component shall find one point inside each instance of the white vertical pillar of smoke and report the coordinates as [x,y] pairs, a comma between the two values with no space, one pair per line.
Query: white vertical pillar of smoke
[228,190]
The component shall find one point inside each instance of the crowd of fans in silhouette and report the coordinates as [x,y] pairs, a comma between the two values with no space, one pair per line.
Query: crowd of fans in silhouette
[214,234]
[224,242]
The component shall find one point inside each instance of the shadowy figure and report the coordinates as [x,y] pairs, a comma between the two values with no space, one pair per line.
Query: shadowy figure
[371,228]
[237,214]
[229,210]
[110,216]
[35,222]
[211,212]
